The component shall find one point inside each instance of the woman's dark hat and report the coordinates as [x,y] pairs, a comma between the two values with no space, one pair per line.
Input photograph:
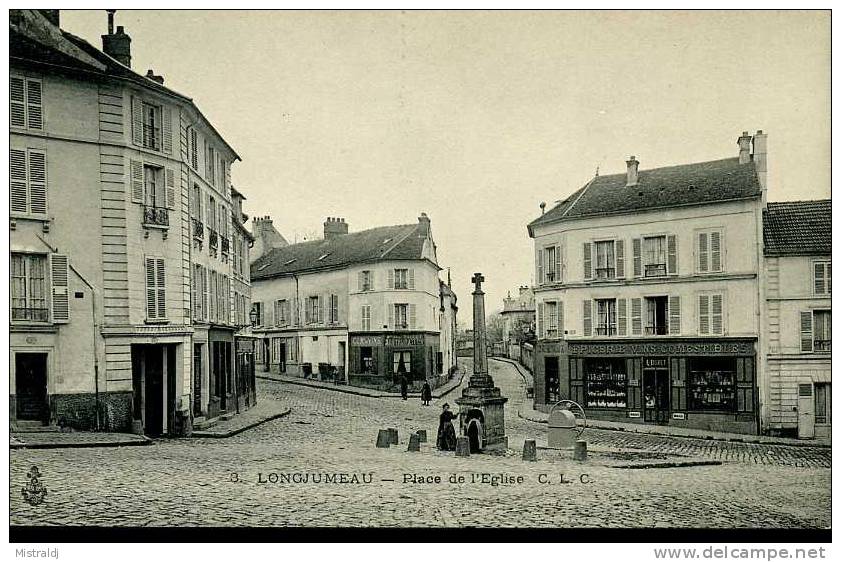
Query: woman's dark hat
[446,405]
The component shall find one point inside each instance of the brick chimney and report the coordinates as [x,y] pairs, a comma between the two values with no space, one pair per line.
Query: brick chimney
[744,148]
[117,45]
[333,227]
[633,172]
[424,223]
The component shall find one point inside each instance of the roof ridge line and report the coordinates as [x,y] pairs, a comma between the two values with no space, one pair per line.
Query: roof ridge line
[400,241]
[580,195]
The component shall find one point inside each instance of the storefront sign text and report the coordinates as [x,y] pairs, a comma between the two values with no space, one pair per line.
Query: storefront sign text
[662,348]
[366,341]
[403,341]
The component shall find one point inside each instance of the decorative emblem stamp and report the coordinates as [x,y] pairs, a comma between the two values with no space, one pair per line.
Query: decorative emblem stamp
[34,492]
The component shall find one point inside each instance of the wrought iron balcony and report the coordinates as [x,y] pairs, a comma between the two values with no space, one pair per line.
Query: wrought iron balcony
[656,330]
[655,269]
[606,330]
[214,239]
[823,345]
[605,272]
[226,246]
[198,230]
[32,314]
[157,216]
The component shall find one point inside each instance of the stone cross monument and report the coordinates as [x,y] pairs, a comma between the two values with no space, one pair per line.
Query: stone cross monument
[481,406]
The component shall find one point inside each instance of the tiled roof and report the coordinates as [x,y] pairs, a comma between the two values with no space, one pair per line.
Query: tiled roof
[688,184]
[798,228]
[400,242]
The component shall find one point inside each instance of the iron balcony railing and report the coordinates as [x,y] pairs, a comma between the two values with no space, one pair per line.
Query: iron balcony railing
[158,216]
[655,269]
[605,272]
[823,345]
[198,230]
[656,330]
[606,330]
[214,239]
[226,246]
[32,314]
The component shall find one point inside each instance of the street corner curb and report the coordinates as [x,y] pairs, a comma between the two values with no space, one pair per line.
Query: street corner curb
[141,441]
[237,431]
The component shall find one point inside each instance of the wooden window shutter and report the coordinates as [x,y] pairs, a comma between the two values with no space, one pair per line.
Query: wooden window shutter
[622,316]
[371,276]
[557,264]
[588,260]
[194,293]
[193,141]
[205,294]
[671,245]
[411,278]
[637,250]
[820,278]
[392,313]
[674,314]
[136,121]
[360,280]
[18,199]
[160,278]
[588,317]
[17,102]
[151,296]
[269,311]
[539,262]
[276,313]
[390,278]
[715,251]
[37,182]
[541,319]
[59,279]
[136,181]
[636,316]
[620,259]
[33,105]
[412,316]
[703,314]
[170,188]
[166,126]
[806,330]
[717,310]
[560,309]
[703,252]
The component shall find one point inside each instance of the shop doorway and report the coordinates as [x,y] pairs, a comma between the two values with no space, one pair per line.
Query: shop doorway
[153,375]
[31,387]
[552,373]
[282,357]
[655,390]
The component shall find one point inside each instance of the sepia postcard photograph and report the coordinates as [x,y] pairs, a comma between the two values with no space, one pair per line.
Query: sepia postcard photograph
[420,275]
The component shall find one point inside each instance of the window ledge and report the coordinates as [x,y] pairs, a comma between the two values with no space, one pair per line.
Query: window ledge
[156,226]
[156,321]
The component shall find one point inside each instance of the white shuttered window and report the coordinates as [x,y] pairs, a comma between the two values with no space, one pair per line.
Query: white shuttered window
[28,181]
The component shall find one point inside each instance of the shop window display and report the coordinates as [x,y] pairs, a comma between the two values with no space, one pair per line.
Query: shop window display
[712,384]
[606,383]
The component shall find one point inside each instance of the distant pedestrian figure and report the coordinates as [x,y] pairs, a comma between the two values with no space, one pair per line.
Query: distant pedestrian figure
[426,393]
[404,387]
[446,431]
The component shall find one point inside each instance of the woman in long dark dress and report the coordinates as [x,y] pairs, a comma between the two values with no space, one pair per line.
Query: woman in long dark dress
[404,387]
[426,393]
[446,431]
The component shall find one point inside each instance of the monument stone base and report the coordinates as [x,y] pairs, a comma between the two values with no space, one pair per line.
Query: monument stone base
[482,411]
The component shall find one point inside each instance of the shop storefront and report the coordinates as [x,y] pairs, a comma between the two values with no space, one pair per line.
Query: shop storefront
[699,384]
[379,360]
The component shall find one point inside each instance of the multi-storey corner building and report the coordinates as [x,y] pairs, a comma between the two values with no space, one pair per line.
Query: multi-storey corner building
[518,321]
[648,294]
[798,319]
[359,307]
[105,164]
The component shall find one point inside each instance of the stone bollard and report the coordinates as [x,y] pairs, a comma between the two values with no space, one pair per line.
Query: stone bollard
[383,439]
[580,453]
[421,435]
[393,433]
[530,450]
[414,442]
[462,447]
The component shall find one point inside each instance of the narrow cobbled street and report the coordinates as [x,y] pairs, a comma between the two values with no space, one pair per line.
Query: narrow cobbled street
[320,467]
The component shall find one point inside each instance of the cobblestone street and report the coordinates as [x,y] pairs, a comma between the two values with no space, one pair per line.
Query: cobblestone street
[240,480]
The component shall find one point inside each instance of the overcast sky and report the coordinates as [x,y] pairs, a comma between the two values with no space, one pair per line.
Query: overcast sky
[477,117]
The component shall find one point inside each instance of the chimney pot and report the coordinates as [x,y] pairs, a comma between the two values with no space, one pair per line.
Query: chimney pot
[334,227]
[117,45]
[633,172]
